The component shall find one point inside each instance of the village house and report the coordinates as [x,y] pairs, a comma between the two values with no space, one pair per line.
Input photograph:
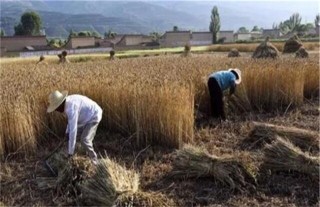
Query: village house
[227,36]
[272,33]
[242,36]
[175,38]
[22,43]
[131,41]
[80,42]
[201,38]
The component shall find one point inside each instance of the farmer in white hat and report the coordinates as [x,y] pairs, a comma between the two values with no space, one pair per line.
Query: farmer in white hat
[83,116]
[219,82]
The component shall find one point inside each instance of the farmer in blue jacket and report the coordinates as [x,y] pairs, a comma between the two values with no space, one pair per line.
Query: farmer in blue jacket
[218,82]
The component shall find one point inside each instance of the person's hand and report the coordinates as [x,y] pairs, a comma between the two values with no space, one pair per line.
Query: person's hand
[67,136]
[70,157]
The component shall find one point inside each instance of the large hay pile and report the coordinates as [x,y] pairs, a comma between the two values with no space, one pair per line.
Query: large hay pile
[266,50]
[234,53]
[282,155]
[302,53]
[192,162]
[292,45]
[262,133]
[114,185]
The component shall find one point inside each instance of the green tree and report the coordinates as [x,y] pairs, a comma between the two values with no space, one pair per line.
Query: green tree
[110,34]
[96,34]
[175,28]
[2,33]
[72,34]
[243,30]
[155,36]
[317,21]
[84,33]
[255,29]
[214,24]
[30,24]
[293,24]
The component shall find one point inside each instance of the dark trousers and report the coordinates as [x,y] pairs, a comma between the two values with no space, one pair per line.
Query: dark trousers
[216,99]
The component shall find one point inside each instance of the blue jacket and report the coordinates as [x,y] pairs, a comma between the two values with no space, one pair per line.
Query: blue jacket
[225,79]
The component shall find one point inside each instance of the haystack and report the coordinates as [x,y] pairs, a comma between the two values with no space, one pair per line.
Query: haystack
[265,133]
[112,53]
[266,50]
[282,155]
[302,53]
[192,162]
[292,45]
[187,51]
[114,185]
[234,53]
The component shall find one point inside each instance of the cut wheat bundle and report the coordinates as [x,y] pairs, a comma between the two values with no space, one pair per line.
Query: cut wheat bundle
[292,44]
[266,50]
[282,155]
[114,185]
[302,53]
[192,162]
[71,173]
[265,133]
[234,52]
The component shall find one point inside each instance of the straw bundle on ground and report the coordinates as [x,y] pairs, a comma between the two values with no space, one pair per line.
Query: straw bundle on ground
[234,53]
[71,173]
[266,50]
[192,162]
[302,53]
[265,133]
[292,45]
[114,185]
[112,53]
[282,155]
[186,52]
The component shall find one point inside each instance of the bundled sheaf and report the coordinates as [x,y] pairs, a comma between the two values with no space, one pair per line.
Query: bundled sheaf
[292,44]
[266,133]
[282,155]
[71,173]
[192,162]
[234,53]
[114,185]
[266,50]
[302,53]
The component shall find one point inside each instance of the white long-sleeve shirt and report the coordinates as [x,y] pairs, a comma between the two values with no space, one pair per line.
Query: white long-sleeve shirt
[80,111]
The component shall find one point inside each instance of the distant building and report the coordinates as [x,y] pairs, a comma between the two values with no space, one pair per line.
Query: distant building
[80,42]
[175,38]
[21,43]
[256,35]
[227,35]
[201,38]
[272,33]
[242,36]
[133,39]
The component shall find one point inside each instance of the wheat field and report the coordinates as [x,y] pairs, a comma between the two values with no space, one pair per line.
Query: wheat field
[153,98]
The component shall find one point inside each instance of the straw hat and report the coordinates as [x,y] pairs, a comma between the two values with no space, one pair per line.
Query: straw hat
[238,72]
[55,100]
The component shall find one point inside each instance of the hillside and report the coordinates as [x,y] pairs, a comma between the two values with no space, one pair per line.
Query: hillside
[149,16]
[123,17]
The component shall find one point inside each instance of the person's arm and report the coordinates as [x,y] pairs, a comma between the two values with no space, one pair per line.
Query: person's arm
[72,129]
[232,89]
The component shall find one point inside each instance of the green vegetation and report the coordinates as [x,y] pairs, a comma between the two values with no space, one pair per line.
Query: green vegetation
[214,24]
[30,24]
[2,33]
